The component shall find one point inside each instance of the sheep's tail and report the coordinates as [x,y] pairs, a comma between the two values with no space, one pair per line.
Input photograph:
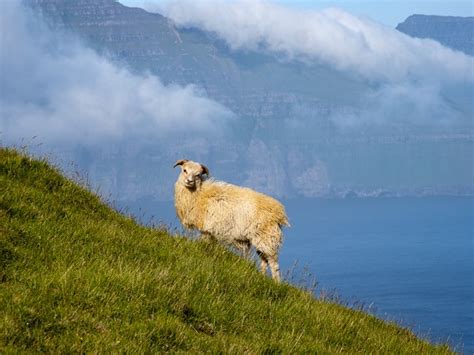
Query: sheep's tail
[283,218]
[284,222]
[280,216]
[273,209]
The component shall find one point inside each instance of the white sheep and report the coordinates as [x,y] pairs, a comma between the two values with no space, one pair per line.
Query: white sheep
[236,215]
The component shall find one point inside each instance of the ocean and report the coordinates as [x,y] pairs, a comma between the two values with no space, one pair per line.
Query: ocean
[408,260]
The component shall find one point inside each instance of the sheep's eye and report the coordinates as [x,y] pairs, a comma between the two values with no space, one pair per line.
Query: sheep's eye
[185,170]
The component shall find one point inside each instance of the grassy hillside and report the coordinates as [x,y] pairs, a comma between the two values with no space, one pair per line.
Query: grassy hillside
[77,276]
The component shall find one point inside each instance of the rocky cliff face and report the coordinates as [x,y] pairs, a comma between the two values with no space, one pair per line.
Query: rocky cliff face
[451,31]
[285,141]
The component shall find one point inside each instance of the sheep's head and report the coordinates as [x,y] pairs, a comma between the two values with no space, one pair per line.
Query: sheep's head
[192,173]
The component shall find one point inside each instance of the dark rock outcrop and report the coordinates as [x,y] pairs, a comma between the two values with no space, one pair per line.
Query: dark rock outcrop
[452,31]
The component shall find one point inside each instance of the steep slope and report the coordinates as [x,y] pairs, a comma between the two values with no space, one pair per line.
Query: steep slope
[452,31]
[77,276]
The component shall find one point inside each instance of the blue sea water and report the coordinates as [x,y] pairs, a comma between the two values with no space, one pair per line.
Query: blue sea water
[410,260]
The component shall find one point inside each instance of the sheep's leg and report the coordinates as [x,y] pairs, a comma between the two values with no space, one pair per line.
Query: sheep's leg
[263,262]
[274,267]
[263,266]
[245,247]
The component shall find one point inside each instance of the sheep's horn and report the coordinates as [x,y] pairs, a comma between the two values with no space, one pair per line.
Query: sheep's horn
[205,170]
[180,162]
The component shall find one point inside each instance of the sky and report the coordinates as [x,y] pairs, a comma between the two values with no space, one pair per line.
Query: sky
[387,12]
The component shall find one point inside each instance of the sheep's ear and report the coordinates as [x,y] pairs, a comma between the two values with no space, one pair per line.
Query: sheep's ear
[180,162]
[205,170]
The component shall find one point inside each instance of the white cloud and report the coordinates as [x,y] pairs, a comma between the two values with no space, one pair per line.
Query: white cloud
[54,88]
[408,79]
[332,36]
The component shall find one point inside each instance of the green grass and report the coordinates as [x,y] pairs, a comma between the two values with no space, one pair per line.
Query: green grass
[77,276]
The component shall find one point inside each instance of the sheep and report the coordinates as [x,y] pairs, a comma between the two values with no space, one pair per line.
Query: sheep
[232,214]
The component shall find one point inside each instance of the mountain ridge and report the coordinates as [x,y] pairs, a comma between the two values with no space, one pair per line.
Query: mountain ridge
[285,111]
[455,32]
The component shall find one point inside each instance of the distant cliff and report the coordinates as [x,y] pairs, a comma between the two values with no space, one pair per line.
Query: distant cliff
[293,136]
[452,31]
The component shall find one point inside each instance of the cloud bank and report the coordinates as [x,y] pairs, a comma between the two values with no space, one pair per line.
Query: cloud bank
[330,36]
[53,87]
[409,80]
